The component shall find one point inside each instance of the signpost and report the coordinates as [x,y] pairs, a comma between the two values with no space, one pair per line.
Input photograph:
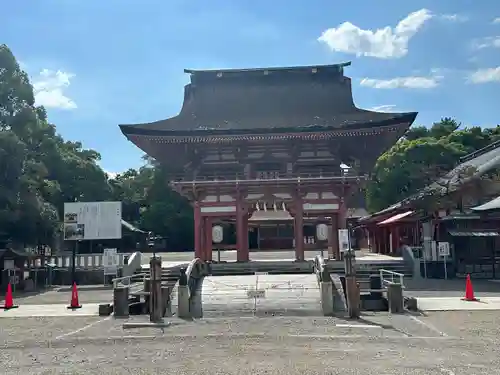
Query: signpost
[444,251]
[91,221]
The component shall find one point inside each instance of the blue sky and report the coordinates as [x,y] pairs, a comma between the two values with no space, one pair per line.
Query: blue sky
[96,64]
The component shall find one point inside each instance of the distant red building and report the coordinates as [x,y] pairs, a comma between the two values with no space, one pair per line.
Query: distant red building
[277,150]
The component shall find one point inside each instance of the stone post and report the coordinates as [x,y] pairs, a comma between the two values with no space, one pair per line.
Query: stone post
[395,298]
[352,288]
[167,302]
[120,302]
[183,296]
[195,305]
[326,290]
[155,303]
[147,297]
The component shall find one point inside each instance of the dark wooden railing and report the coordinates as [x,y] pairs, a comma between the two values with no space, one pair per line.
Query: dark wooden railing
[225,176]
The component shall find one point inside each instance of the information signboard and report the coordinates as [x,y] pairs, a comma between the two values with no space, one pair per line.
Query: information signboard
[92,221]
[444,249]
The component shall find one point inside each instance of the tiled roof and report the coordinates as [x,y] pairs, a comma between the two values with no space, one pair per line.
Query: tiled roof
[312,98]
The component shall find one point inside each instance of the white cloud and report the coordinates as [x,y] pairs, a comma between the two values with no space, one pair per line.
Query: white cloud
[454,17]
[488,42]
[496,20]
[385,43]
[485,75]
[384,108]
[49,87]
[410,82]
[111,175]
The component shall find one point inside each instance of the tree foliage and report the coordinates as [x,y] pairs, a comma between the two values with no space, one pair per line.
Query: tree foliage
[40,171]
[421,157]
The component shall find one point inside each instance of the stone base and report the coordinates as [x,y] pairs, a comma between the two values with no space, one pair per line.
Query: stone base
[146,325]
[105,309]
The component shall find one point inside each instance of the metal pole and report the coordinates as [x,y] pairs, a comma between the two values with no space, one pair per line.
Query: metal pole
[353,298]
[73,263]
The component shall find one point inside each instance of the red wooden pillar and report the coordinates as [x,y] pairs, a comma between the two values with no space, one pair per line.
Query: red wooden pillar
[333,238]
[202,237]
[242,253]
[198,249]
[299,230]
[381,240]
[208,239]
[395,238]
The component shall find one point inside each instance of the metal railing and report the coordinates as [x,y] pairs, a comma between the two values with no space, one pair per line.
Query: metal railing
[393,277]
[127,280]
[228,176]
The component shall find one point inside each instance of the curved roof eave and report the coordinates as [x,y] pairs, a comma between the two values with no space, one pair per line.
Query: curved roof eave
[171,127]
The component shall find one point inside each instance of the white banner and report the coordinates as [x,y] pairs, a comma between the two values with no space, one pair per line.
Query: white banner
[92,221]
[110,261]
[344,240]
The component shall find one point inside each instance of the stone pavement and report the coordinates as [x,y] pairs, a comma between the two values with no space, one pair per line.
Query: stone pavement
[439,343]
[457,304]
[279,294]
[449,288]
[88,294]
[230,256]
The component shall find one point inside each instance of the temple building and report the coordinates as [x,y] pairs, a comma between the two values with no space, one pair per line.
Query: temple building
[273,150]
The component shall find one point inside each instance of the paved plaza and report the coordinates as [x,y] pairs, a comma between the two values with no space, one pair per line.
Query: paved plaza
[439,343]
[281,332]
[230,256]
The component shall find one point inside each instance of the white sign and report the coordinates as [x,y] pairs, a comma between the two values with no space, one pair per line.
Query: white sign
[261,273]
[217,234]
[444,249]
[92,221]
[9,264]
[344,240]
[322,232]
[256,293]
[110,261]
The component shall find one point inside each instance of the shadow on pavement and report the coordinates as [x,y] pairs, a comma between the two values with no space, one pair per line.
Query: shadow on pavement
[23,294]
[90,288]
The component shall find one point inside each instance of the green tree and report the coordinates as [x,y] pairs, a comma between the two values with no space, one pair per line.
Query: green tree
[149,203]
[421,157]
[39,170]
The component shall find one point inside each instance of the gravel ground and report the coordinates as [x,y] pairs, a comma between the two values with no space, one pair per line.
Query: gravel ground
[469,325]
[378,344]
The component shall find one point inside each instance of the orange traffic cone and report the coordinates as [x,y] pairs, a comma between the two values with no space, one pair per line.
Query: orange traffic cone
[469,291]
[75,304]
[9,300]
